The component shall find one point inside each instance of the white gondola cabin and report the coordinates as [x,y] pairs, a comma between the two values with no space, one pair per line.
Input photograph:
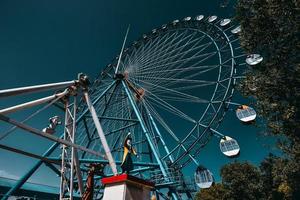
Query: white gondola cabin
[175,22]
[212,18]
[229,147]
[245,114]
[236,30]
[199,17]
[187,19]
[203,177]
[225,22]
[254,59]
[164,26]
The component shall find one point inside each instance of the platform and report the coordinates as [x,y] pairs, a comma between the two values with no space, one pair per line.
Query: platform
[126,187]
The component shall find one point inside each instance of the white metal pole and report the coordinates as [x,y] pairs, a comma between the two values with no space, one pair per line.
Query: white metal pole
[120,56]
[72,138]
[35,88]
[32,103]
[62,171]
[101,134]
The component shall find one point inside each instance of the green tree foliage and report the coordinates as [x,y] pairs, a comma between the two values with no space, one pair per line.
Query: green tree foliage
[248,182]
[215,192]
[273,179]
[239,181]
[271,28]
[242,180]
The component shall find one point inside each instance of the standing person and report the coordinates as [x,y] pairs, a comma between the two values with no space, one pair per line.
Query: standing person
[127,164]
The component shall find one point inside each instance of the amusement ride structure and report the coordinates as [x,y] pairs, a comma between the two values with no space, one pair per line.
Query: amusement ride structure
[170,89]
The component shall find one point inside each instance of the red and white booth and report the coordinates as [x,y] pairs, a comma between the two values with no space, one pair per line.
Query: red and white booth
[126,187]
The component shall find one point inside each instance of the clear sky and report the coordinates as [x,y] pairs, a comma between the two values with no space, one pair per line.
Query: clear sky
[51,41]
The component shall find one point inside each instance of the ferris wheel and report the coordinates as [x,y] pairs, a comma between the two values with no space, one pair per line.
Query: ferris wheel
[174,85]
[170,90]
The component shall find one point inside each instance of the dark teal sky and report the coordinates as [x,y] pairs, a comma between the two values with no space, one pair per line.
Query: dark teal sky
[50,41]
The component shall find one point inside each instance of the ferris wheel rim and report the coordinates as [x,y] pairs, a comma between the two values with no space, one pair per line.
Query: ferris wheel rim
[232,65]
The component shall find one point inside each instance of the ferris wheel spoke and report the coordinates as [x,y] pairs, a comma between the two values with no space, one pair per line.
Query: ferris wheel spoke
[190,87]
[199,62]
[161,121]
[178,99]
[175,81]
[161,48]
[186,88]
[142,48]
[138,60]
[157,55]
[160,74]
[185,61]
[179,54]
[160,54]
[170,108]
[155,47]
[197,74]
[172,91]
[209,55]
[183,69]
[178,51]
[166,106]
[206,55]
[159,44]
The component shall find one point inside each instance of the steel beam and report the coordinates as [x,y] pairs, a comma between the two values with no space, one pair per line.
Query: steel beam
[53,168]
[101,134]
[35,88]
[118,162]
[95,101]
[32,103]
[160,137]
[25,153]
[48,136]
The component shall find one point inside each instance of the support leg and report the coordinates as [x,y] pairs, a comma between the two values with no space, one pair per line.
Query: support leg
[162,165]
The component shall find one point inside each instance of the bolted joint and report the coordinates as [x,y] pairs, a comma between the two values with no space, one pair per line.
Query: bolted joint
[83,81]
[119,76]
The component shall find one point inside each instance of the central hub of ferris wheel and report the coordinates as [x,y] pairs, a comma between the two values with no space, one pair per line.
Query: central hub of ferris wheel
[139,92]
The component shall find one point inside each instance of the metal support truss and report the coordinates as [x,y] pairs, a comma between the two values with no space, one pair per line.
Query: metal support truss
[70,144]
[69,158]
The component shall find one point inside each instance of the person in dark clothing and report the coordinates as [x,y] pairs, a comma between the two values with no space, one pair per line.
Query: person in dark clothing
[127,164]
